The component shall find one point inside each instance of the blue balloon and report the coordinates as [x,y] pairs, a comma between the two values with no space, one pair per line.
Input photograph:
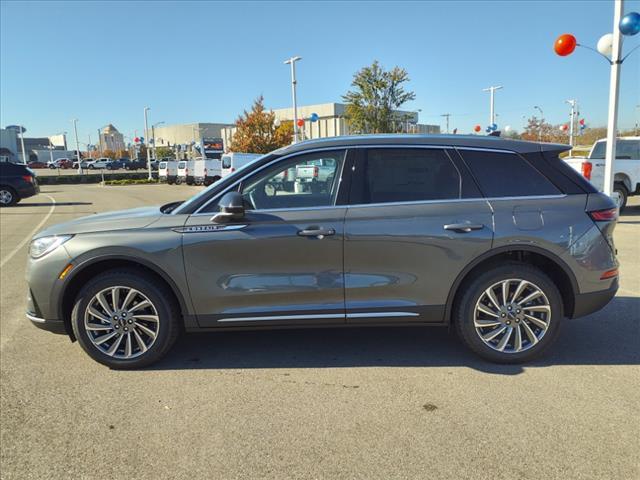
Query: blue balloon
[314,117]
[494,127]
[488,130]
[630,24]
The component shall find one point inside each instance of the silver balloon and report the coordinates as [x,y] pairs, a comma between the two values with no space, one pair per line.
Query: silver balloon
[605,44]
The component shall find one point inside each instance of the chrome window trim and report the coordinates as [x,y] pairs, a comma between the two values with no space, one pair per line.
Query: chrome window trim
[348,147]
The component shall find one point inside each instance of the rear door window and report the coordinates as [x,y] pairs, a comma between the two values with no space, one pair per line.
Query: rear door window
[503,174]
[408,175]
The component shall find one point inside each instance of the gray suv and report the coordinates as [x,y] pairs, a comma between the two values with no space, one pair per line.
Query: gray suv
[497,238]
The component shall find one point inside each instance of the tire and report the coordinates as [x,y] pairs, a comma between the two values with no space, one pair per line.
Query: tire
[8,197]
[544,331]
[166,325]
[91,167]
[52,167]
[178,181]
[624,195]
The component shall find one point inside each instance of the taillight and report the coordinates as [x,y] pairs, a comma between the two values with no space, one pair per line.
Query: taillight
[586,170]
[604,215]
[27,178]
[315,172]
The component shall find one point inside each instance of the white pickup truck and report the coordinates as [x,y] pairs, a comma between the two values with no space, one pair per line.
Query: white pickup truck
[319,172]
[626,168]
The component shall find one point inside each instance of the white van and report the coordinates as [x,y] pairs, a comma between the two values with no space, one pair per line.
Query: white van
[234,160]
[168,171]
[206,171]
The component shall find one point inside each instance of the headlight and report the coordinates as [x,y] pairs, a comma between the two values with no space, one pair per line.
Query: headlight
[41,246]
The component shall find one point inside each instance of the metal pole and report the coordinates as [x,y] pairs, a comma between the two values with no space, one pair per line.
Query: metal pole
[50,150]
[24,152]
[153,136]
[100,142]
[491,90]
[292,61]
[75,129]
[571,119]
[614,85]
[146,136]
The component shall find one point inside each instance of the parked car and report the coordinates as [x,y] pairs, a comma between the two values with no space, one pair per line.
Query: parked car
[83,164]
[133,164]
[116,164]
[495,238]
[233,161]
[63,163]
[16,182]
[168,171]
[37,164]
[98,163]
[626,168]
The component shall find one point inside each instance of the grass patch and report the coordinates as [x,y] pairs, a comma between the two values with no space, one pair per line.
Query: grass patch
[131,181]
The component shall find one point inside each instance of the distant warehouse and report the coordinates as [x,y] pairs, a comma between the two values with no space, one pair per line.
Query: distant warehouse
[332,121]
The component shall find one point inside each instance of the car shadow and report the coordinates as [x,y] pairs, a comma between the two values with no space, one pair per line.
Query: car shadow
[608,337]
[49,204]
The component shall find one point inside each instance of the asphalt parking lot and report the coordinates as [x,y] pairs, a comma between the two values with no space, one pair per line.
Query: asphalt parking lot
[344,403]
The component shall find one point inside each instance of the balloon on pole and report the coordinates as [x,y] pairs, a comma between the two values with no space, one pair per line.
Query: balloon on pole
[314,117]
[605,45]
[477,128]
[300,122]
[565,44]
[630,24]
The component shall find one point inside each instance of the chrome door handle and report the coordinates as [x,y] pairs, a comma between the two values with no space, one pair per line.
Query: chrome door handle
[463,227]
[317,232]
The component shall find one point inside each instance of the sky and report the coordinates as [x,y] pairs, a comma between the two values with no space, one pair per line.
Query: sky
[103,62]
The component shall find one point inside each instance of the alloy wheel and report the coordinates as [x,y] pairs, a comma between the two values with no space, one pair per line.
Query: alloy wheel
[6,197]
[512,316]
[121,322]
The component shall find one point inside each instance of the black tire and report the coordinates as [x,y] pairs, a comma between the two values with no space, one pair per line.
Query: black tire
[8,197]
[470,294]
[624,194]
[158,294]
[178,181]
[52,167]
[91,167]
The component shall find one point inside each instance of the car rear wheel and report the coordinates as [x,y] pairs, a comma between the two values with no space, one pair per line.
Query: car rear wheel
[509,314]
[125,320]
[8,197]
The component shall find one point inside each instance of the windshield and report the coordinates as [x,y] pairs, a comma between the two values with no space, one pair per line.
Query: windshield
[229,179]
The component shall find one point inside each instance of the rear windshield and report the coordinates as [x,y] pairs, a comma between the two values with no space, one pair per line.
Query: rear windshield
[182,165]
[162,165]
[226,161]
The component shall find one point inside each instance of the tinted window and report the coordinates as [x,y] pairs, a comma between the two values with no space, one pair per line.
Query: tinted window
[303,181]
[226,161]
[408,175]
[506,175]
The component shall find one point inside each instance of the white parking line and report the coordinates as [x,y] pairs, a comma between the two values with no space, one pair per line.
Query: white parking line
[33,232]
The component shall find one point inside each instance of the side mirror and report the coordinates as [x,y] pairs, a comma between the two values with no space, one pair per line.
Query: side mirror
[231,208]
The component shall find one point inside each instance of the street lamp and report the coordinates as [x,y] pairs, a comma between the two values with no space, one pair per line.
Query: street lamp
[146,135]
[492,91]
[153,136]
[540,123]
[610,48]
[292,61]
[75,129]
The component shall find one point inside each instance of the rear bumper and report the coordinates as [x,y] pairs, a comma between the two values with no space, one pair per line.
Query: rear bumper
[54,326]
[587,303]
[27,190]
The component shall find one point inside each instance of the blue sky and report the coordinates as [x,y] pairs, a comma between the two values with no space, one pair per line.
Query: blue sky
[102,62]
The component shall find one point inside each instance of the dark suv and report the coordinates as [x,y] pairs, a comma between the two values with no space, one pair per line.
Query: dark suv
[16,182]
[498,238]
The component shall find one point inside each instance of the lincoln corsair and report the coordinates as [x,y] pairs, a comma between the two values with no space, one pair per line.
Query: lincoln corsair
[498,239]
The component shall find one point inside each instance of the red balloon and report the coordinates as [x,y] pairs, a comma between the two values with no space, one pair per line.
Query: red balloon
[301,122]
[477,128]
[565,127]
[582,121]
[136,139]
[565,44]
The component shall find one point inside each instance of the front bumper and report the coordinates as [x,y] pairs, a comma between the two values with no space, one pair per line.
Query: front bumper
[54,326]
[587,303]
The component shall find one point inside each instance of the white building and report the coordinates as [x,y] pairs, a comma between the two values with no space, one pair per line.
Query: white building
[111,139]
[332,122]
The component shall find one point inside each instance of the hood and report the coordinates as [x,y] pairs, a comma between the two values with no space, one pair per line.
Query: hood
[119,220]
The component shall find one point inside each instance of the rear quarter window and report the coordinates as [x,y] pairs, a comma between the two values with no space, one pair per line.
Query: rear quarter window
[503,174]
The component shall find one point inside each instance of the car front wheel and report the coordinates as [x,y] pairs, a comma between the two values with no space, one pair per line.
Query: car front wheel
[8,197]
[509,314]
[125,320]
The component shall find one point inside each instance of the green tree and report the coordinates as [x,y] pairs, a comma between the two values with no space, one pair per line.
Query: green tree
[164,152]
[376,94]
[256,131]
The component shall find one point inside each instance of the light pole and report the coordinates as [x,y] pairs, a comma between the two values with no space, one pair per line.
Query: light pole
[146,136]
[153,135]
[292,61]
[492,90]
[447,115]
[573,103]
[536,107]
[75,129]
